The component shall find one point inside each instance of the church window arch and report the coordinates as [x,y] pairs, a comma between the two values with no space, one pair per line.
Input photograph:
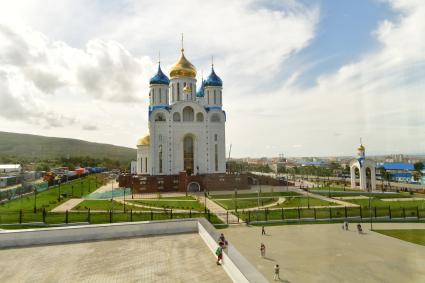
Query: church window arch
[159,117]
[178,91]
[199,117]
[160,158]
[188,114]
[215,118]
[215,97]
[188,154]
[176,117]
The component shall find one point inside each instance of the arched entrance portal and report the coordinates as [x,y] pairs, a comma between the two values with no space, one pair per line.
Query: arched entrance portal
[188,154]
[193,187]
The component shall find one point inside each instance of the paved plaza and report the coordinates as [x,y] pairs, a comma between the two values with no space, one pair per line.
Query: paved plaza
[174,258]
[326,253]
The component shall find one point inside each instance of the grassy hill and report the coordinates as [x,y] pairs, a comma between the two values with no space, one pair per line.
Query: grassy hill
[41,147]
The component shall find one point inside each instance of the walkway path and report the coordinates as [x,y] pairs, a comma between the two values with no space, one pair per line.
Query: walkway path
[340,202]
[68,205]
[217,210]
[279,201]
[156,208]
[107,187]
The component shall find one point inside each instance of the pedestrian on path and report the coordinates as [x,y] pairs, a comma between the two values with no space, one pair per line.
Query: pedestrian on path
[346,225]
[276,272]
[263,250]
[219,253]
[263,230]
[359,228]
[222,241]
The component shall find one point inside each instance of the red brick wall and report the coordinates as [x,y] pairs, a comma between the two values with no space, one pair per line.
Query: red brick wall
[178,183]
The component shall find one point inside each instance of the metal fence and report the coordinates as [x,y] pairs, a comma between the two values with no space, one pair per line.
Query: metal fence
[331,213]
[42,217]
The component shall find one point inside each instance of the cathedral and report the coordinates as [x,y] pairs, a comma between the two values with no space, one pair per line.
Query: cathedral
[186,125]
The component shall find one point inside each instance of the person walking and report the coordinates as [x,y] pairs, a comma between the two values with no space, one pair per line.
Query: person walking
[263,250]
[346,225]
[276,272]
[359,228]
[263,230]
[219,253]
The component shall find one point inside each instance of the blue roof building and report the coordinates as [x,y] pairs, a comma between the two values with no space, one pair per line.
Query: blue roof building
[398,166]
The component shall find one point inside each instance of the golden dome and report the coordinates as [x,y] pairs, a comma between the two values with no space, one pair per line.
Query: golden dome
[183,68]
[146,140]
[361,147]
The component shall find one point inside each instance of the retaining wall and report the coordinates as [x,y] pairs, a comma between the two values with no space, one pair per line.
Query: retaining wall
[30,237]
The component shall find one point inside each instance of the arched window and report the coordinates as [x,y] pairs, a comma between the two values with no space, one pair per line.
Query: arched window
[215,98]
[216,157]
[178,91]
[215,137]
[160,117]
[160,158]
[188,115]
[215,118]
[176,117]
[199,117]
[188,155]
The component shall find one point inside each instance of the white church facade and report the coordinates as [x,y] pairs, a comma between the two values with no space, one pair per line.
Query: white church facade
[186,127]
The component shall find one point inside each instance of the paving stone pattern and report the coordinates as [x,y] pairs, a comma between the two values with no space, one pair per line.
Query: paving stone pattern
[174,258]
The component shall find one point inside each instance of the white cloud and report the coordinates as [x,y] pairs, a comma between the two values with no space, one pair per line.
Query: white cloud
[74,60]
[379,97]
[80,68]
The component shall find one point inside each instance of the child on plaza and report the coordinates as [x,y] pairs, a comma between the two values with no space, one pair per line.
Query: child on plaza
[263,250]
[276,272]
[222,240]
[219,253]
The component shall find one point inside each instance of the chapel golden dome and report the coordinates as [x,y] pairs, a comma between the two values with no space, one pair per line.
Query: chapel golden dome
[361,147]
[146,140]
[183,68]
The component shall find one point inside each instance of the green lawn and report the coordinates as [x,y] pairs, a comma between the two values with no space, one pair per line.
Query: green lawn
[105,205]
[253,195]
[175,204]
[416,236]
[393,204]
[49,198]
[179,198]
[332,188]
[244,203]
[303,201]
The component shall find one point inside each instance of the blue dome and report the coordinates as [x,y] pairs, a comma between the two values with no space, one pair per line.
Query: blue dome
[200,92]
[160,78]
[213,79]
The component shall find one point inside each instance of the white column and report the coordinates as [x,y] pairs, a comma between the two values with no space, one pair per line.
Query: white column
[363,178]
[373,177]
[353,176]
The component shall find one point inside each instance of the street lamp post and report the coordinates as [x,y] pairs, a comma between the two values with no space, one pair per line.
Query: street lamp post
[124,200]
[308,198]
[112,195]
[59,190]
[205,200]
[35,199]
[370,207]
[258,202]
[236,199]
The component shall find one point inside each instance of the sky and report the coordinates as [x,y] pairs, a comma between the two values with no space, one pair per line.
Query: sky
[301,78]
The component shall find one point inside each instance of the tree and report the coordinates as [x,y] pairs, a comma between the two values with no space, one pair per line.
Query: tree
[417,174]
